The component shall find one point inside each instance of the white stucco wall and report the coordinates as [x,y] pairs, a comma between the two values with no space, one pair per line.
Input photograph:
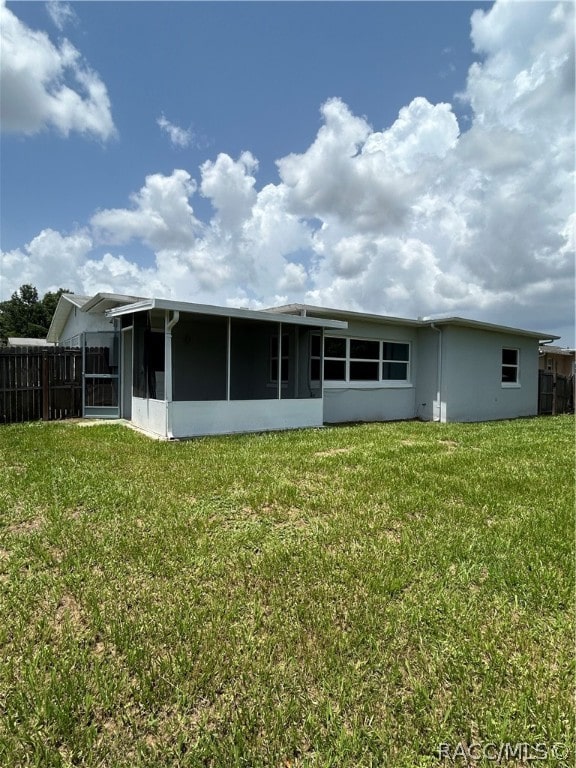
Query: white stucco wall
[191,419]
[378,404]
[471,375]
[150,415]
[373,401]
[79,321]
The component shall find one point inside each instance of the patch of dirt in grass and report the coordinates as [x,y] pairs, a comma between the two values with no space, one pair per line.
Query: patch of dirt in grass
[81,511]
[69,611]
[18,469]
[392,535]
[315,482]
[449,443]
[26,526]
[333,451]
[4,558]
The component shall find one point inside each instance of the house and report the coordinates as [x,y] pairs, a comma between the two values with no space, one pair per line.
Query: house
[178,369]
[26,341]
[557,360]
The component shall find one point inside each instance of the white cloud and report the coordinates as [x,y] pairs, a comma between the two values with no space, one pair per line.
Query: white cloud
[230,187]
[61,13]
[49,261]
[179,137]
[44,85]
[117,274]
[161,215]
[416,219]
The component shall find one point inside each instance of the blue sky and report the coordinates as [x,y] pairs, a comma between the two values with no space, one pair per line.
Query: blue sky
[383,156]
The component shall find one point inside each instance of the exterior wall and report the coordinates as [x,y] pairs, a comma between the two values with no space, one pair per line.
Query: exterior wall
[150,415]
[217,417]
[78,322]
[427,406]
[373,401]
[341,405]
[471,375]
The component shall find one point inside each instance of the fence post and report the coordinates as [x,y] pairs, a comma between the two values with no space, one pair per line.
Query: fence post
[45,388]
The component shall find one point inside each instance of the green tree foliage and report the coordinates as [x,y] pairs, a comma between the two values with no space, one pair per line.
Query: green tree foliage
[26,315]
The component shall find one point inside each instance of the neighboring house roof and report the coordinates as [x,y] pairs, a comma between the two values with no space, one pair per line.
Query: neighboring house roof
[207,309]
[310,310]
[552,350]
[91,304]
[18,341]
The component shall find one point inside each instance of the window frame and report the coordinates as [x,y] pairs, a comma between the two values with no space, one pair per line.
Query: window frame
[380,383]
[515,366]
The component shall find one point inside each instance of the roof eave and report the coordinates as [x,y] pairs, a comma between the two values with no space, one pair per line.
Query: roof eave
[463,322]
[209,309]
[314,311]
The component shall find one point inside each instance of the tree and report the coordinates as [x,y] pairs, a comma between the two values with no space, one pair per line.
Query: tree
[25,315]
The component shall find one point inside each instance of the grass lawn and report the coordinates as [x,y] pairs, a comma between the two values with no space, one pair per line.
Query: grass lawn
[347,597]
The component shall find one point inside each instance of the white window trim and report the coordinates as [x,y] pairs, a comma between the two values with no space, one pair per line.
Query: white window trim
[379,383]
[511,384]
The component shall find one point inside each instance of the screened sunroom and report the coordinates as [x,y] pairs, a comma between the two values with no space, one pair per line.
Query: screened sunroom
[192,369]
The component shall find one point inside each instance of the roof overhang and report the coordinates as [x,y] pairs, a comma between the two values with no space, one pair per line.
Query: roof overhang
[92,304]
[208,309]
[492,327]
[309,310]
[103,301]
[66,303]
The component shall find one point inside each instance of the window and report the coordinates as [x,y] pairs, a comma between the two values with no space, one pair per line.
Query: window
[364,360]
[334,359]
[395,360]
[361,360]
[510,366]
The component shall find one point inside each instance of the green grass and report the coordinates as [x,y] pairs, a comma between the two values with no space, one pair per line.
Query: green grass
[344,597]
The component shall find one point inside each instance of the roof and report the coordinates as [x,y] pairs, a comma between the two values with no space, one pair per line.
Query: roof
[17,341]
[76,299]
[117,304]
[208,309]
[92,304]
[549,349]
[308,310]
[103,301]
[482,326]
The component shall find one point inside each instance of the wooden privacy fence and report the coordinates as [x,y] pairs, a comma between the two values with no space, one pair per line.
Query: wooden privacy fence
[40,383]
[555,393]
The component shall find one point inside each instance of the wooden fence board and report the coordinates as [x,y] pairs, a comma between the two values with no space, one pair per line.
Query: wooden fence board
[555,393]
[40,383]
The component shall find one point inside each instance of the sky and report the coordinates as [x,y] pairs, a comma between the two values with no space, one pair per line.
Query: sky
[413,159]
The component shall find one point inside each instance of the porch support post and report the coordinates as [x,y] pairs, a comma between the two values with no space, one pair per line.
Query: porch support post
[279,361]
[228,356]
[168,325]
